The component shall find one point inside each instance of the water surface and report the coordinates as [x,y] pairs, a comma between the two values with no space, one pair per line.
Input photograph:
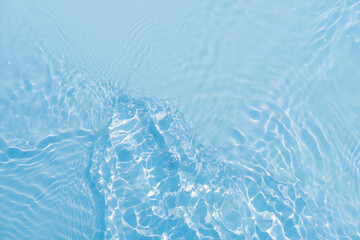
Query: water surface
[179,120]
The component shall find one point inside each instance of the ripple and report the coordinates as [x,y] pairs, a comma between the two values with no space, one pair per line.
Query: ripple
[152,172]
[206,120]
[45,186]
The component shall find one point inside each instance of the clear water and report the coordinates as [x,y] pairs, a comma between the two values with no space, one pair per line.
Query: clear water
[180,119]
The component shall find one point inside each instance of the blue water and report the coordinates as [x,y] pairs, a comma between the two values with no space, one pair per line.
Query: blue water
[180,119]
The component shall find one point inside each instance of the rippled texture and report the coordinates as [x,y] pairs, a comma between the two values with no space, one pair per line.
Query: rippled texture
[179,120]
